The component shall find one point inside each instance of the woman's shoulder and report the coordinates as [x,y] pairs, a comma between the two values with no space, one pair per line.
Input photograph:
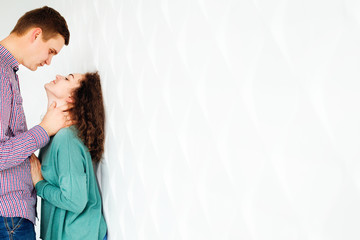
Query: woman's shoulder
[65,132]
[67,138]
[68,134]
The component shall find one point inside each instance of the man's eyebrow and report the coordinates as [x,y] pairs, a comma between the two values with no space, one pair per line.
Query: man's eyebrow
[71,75]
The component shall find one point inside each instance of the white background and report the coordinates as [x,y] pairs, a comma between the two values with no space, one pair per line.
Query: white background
[227,119]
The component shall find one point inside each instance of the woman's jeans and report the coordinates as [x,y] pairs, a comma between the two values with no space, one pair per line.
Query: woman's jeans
[16,228]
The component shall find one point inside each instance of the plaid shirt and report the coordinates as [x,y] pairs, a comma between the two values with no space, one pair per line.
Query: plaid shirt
[17,194]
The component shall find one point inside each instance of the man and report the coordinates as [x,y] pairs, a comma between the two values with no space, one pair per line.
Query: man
[38,35]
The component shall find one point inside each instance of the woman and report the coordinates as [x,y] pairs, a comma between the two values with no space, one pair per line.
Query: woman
[65,180]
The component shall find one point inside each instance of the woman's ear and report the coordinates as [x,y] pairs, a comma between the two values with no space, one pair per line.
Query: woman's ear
[70,99]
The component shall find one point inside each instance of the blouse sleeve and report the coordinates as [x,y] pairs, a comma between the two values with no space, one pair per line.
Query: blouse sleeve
[71,194]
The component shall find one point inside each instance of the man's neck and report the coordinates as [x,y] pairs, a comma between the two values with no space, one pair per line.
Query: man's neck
[14,45]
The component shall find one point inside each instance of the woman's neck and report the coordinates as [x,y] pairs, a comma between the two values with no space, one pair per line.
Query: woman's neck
[59,102]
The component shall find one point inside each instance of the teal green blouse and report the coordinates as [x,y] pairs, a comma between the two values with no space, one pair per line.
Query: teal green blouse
[71,202]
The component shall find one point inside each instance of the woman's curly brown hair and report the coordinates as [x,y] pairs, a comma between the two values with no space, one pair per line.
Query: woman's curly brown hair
[89,114]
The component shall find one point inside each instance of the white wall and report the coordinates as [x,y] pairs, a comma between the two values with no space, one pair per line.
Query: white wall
[231,119]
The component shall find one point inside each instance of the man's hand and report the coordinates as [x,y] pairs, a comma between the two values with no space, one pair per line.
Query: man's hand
[35,169]
[56,118]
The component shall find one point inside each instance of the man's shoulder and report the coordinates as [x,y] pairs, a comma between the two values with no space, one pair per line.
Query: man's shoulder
[5,71]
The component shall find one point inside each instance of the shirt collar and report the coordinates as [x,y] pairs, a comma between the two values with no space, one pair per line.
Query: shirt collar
[8,59]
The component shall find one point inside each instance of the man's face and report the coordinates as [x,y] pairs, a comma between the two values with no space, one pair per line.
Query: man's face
[41,52]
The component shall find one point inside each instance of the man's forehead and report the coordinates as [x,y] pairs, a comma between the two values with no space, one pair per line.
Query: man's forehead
[56,43]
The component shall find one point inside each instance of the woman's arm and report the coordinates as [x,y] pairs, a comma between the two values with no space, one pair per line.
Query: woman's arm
[71,194]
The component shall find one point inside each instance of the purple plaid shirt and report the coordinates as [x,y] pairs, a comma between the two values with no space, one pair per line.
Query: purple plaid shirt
[17,194]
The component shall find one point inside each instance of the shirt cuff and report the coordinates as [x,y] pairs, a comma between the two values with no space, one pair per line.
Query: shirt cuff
[40,135]
[40,186]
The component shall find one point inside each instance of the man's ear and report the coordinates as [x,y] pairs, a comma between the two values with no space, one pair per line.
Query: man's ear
[35,33]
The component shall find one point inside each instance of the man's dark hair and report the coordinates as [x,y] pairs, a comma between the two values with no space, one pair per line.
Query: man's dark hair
[46,18]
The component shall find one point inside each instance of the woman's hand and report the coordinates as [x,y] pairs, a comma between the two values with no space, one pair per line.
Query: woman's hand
[35,169]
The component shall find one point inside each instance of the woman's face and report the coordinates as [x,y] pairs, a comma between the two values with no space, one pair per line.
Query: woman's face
[62,87]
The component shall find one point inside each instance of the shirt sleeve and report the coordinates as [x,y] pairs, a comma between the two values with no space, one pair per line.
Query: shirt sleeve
[71,194]
[14,150]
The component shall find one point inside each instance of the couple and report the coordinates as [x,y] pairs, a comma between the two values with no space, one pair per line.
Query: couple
[71,137]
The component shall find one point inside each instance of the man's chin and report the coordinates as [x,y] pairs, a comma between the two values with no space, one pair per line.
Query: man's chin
[34,68]
[31,68]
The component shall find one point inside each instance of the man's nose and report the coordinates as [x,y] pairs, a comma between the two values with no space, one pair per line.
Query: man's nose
[48,61]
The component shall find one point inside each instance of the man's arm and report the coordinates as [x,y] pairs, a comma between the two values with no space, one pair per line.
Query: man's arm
[14,150]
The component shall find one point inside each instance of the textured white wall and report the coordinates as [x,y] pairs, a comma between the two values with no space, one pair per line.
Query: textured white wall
[231,119]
